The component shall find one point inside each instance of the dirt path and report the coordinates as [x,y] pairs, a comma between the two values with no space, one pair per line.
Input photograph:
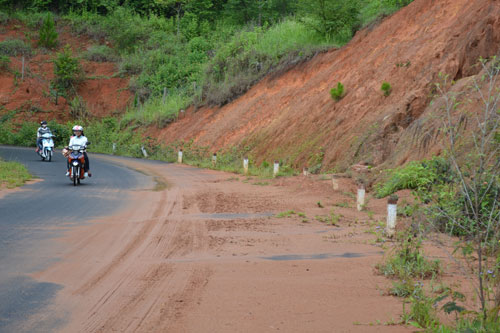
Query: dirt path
[205,254]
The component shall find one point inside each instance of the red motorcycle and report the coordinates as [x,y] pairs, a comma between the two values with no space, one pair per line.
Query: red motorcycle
[76,161]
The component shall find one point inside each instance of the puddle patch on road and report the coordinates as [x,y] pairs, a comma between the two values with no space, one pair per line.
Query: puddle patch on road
[319,256]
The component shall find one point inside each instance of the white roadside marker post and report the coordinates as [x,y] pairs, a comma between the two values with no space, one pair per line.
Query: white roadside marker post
[360,203]
[214,160]
[335,182]
[179,156]
[114,148]
[144,152]
[276,168]
[245,165]
[392,211]
[305,171]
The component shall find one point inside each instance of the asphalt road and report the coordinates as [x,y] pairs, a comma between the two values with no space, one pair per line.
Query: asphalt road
[31,219]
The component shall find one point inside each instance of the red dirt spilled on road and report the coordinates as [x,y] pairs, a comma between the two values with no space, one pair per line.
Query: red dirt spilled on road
[292,116]
[197,257]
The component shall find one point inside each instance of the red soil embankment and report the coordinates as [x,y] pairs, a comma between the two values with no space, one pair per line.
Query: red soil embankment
[32,98]
[293,117]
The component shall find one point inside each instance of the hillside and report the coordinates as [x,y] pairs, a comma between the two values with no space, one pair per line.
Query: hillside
[292,116]
[32,99]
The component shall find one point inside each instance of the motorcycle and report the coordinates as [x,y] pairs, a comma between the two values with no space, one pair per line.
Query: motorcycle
[76,162]
[47,147]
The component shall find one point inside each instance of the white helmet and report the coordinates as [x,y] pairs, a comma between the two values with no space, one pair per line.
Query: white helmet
[77,128]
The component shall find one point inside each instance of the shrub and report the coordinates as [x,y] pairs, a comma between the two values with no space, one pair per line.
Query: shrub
[100,53]
[416,175]
[4,18]
[67,71]
[386,88]
[4,63]
[337,93]
[78,108]
[48,34]
[408,261]
[14,47]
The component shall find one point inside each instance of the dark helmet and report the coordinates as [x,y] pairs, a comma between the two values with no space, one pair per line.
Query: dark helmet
[43,122]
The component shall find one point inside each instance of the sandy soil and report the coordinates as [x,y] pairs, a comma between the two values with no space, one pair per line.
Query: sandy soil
[205,254]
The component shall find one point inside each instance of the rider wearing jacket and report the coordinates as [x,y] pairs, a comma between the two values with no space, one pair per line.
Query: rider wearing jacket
[43,129]
[81,140]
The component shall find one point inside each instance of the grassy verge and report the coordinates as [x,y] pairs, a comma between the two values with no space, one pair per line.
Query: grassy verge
[12,174]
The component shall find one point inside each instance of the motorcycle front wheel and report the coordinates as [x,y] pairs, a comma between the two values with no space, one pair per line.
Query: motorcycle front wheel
[49,155]
[73,174]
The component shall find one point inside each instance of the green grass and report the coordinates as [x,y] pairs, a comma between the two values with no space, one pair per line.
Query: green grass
[409,262]
[13,174]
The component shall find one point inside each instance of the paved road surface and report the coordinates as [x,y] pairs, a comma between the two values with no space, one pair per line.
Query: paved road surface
[30,220]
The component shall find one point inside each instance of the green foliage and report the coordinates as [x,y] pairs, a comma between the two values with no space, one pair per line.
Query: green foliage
[78,108]
[408,261]
[48,34]
[422,312]
[67,70]
[13,174]
[331,17]
[386,88]
[100,53]
[14,47]
[249,55]
[337,93]
[4,63]
[4,18]
[288,213]
[416,175]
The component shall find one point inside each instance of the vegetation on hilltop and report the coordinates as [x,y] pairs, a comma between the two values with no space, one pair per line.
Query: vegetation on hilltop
[184,52]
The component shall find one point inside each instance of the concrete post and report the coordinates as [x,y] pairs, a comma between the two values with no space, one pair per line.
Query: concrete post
[360,202]
[276,168]
[392,211]
[245,165]
[214,160]
[179,156]
[144,152]
[335,183]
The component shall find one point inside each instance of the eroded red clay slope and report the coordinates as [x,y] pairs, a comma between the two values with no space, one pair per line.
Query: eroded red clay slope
[293,116]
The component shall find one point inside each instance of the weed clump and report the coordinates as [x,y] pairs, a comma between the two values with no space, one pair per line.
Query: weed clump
[48,34]
[409,262]
[337,93]
[386,88]
[14,47]
[100,53]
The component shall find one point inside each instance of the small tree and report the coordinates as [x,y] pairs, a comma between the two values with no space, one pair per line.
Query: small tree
[48,34]
[386,88]
[337,93]
[67,71]
[470,205]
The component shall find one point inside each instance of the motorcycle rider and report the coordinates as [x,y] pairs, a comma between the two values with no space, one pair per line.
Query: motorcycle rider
[81,140]
[43,129]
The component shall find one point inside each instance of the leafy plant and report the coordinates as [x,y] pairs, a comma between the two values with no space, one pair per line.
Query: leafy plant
[4,63]
[386,88]
[408,260]
[14,47]
[338,92]
[416,175]
[78,108]
[48,34]
[100,53]
[67,70]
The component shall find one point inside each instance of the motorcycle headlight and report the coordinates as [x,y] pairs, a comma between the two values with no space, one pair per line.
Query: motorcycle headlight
[75,163]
